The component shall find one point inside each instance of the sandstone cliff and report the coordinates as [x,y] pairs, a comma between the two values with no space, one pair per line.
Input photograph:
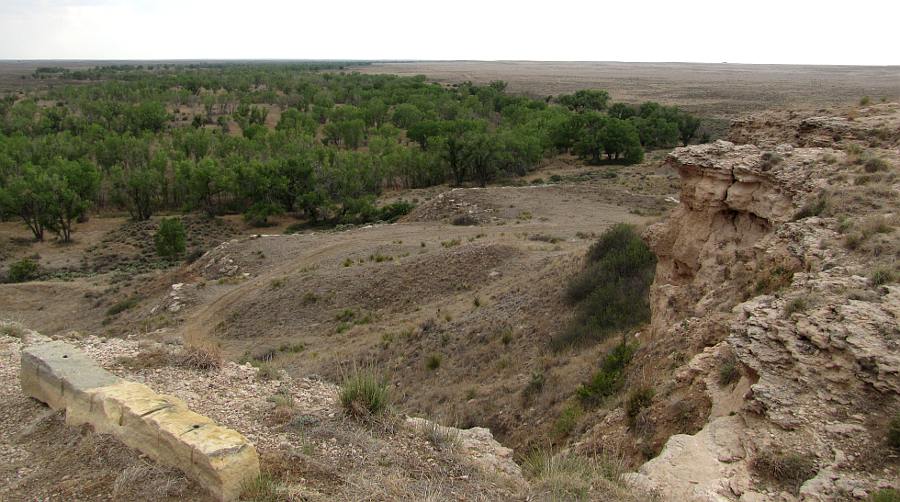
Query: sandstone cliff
[779,261]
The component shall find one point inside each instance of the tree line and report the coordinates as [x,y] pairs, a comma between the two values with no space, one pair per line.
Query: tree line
[267,139]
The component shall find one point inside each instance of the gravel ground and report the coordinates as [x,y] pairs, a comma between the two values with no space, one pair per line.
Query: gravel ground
[308,445]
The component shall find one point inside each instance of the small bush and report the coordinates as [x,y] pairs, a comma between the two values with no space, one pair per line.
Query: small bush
[464,220]
[364,395]
[612,292]
[882,276]
[608,380]
[814,207]
[268,371]
[567,420]
[123,305]
[569,476]
[201,357]
[12,329]
[393,212]
[885,495]
[893,437]
[728,372]
[551,239]
[787,470]
[170,238]
[638,399]
[535,385]
[262,488]
[795,305]
[442,438]
[433,362]
[259,213]
[875,164]
[865,101]
[23,270]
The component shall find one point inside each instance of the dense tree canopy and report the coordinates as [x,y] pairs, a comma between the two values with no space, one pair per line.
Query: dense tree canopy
[301,138]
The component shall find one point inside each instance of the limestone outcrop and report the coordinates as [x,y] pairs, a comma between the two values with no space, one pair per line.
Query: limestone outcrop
[161,426]
[751,266]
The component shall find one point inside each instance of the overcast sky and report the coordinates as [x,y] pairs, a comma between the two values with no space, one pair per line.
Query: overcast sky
[761,31]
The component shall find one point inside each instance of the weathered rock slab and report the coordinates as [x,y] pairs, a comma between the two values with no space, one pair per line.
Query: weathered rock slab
[161,426]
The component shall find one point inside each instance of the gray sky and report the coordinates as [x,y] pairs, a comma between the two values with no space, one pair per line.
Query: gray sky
[762,31]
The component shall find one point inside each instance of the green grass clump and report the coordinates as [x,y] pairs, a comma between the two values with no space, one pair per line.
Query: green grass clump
[611,294]
[23,270]
[123,306]
[728,372]
[885,495]
[433,362]
[609,379]
[893,437]
[638,399]
[363,395]
[263,488]
[814,207]
[882,276]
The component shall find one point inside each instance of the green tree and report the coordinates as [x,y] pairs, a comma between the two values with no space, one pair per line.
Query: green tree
[28,196]
[203,184]
[586,99]
[478,153]
[170,238]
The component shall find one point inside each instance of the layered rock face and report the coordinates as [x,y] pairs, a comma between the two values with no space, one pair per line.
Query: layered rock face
[732,197]
[815,342]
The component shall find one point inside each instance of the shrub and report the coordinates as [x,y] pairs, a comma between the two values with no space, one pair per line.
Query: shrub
[268,371]
[638,399]
[393,212]
[814,207]
[864,101]
[12,329]
[608,380]
[364,395]
[262,488]
[875,164]
[170,238]
[535,385]
[569,476]
[123,306]
[728,372]
[201,357]
[885,495]
[464,220]
[567,420]
[787,470]
[259,213]
[612,292]
[882,276]
[23,270]
[442,438]
[893,436]
[795,305]
[433,362]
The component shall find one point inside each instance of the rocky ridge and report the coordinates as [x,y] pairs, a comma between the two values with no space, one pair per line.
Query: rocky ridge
[802,358]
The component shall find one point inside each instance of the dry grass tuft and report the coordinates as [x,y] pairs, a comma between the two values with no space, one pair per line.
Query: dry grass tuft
[201,357]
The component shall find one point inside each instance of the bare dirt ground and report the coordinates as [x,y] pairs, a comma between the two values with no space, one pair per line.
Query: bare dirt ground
[715,90]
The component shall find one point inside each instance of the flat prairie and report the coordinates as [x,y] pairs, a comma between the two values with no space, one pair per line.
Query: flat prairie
[720,90]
